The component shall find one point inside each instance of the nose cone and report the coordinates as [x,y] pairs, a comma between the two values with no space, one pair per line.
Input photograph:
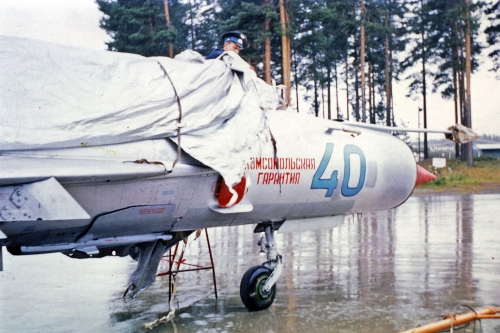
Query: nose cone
[423,176]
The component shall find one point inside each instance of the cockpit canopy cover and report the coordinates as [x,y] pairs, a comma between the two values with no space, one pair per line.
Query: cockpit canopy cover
[55,96]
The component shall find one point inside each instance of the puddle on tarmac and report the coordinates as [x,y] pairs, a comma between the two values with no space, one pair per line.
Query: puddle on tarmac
[377,273]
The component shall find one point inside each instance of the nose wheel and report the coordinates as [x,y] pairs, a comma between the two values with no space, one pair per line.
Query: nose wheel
[258,284]
[252,291]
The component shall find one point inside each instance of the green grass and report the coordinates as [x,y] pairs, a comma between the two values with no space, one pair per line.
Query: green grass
[483,177]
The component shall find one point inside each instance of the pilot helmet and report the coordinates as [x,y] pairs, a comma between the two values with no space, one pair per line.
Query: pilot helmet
[236,37]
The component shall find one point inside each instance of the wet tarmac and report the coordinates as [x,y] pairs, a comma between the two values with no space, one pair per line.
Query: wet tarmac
[378,272]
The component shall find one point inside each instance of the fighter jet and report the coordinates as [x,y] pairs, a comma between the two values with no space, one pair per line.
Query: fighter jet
[109,154]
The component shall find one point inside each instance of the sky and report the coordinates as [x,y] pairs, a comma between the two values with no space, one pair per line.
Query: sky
[76,23]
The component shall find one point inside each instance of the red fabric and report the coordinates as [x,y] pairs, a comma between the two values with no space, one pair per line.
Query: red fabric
[225,195]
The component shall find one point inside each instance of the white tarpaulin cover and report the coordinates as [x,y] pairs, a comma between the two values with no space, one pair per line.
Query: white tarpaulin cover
[54,96]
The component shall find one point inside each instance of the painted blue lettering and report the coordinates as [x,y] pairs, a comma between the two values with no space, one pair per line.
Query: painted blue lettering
[348,151]
[330,184]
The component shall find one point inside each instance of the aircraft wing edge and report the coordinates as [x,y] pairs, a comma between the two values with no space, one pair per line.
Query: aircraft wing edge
[22,170]
[457,133]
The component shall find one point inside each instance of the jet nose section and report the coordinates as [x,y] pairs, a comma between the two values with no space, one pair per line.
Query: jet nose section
[423,176]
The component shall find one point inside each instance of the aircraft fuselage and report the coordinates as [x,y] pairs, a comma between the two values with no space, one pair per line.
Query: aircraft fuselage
[317,170]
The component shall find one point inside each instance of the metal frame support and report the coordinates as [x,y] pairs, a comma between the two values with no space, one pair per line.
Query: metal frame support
[170,258]
[1,259]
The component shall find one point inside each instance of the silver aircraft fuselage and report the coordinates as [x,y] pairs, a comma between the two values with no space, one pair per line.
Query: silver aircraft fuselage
[319,170]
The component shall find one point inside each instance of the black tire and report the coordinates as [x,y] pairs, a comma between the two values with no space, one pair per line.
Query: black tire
[251,292]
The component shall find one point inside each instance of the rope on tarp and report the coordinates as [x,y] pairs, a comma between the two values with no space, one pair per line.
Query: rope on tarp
[179,121]
[179,126]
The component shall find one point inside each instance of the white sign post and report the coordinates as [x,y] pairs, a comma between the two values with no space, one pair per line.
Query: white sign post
[439,162]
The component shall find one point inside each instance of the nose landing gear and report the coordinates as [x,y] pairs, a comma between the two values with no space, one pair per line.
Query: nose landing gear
[258,285]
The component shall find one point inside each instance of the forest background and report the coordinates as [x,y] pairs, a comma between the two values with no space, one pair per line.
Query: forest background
[326,51]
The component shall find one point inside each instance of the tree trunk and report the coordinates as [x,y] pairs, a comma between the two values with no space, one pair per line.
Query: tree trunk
[315,79]
[285,50]
[347,87]
[455,87]
[329,92]
[373,98]
[337,92]
[468,115]
[355,65]
[323,100]
[424,90]
[356,93]
[267,49]
[461,96]
[169,24]
[362,61]
[193,38]
[289,50]
[388,92]
[370,107]
[424,97]
[151,31]
[296,79]
[356,90]
[391,99]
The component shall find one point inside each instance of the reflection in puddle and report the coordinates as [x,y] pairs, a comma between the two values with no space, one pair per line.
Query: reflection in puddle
[379,272]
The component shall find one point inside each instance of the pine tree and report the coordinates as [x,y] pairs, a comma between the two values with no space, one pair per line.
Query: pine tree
[259,20]
[140,26]
[493,33]
[205,33]
[443,27]
[311,46]
[383,44]
[338,26]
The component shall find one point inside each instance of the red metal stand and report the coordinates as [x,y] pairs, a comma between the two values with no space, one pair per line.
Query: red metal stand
[170,260]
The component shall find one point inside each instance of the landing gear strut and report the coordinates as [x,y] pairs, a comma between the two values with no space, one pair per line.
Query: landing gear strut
[258,285]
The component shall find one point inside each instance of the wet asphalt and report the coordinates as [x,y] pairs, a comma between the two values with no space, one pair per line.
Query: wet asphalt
[378,272]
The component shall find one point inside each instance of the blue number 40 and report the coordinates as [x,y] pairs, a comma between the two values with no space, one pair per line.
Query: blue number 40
[330,184]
